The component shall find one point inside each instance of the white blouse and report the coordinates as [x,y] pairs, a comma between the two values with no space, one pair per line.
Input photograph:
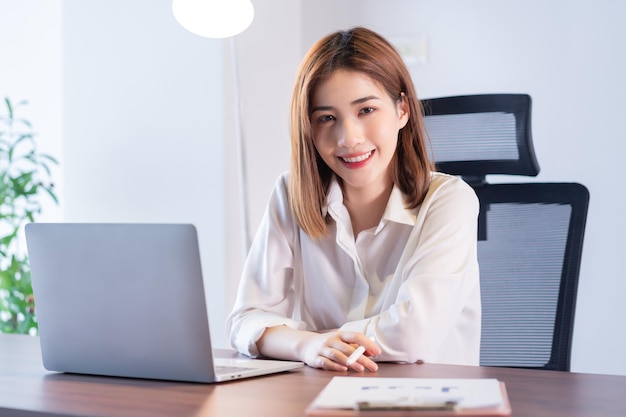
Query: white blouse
[411,284]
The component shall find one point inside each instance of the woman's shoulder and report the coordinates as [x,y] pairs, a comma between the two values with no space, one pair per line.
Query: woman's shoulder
[440,179]
[281,185]
[278,203]
[445,184]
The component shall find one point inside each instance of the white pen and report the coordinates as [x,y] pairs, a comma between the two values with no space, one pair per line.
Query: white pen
[355,355]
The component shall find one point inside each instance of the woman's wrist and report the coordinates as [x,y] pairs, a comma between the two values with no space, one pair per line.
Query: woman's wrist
[283,342]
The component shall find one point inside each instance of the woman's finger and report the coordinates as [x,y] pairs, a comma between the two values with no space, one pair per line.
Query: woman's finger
[326,363]
[371,347]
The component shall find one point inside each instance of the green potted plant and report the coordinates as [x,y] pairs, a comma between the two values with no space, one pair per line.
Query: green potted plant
[24,176]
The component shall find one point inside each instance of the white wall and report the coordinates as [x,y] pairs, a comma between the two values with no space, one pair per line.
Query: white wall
[137,104]
[142,100]
[143,125]
[30,69]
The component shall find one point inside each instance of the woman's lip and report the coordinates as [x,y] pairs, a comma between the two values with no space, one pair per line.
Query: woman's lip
[356,160]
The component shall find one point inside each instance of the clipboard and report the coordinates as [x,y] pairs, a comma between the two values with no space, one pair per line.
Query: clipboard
[411,397]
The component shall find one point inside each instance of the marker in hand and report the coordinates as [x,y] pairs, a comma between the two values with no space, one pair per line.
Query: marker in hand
[355,355]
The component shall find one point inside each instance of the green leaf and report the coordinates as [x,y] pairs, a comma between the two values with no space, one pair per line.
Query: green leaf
[9,107]
[23,174]
[23,137]
[48,157]
[51,194]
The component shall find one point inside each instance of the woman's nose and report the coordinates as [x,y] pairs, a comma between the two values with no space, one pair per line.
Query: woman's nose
[350,134]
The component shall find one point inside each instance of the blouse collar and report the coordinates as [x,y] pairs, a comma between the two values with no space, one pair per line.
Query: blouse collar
[395,210]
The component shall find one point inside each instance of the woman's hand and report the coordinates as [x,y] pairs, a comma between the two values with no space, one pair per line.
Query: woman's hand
[329,350]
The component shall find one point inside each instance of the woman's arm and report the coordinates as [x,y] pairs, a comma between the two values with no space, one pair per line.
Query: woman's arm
[266,292]
[328,350]
[260,323]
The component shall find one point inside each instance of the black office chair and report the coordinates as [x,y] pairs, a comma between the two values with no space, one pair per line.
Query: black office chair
[530,234]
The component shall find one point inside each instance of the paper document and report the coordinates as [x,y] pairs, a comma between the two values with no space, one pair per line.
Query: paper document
[371,393]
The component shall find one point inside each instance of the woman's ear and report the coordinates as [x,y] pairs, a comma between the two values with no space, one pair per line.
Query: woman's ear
[403,111]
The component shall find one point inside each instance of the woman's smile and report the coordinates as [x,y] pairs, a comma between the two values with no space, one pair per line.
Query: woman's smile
[356,161]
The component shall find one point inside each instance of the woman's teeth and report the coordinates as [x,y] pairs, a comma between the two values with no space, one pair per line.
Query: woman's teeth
[358,158]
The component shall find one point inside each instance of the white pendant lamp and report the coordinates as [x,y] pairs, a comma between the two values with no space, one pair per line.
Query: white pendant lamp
[214,18]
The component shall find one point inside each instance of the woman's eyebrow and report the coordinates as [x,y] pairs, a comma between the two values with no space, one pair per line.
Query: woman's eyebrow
[364,99]
[357,101]
[321,108]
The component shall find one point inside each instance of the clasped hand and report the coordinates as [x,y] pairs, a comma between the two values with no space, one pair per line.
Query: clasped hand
[328,350]
[331,351]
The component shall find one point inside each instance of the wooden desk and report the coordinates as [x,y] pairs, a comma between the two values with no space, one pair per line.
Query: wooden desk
[27,389]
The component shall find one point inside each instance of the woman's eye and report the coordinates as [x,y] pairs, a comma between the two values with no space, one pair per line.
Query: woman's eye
[367,110]
[325,118]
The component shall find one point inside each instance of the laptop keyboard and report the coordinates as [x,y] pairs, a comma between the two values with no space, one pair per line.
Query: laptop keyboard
[231,369]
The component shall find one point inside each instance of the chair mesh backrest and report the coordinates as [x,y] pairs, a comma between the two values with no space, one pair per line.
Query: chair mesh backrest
[478,135]
[529,256]
[486,136]
[530,235]
[521,275]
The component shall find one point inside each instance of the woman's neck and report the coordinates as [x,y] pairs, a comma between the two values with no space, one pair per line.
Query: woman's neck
[366,205]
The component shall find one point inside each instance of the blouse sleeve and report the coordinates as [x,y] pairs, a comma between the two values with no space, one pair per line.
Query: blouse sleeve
[265,297]
[435,314]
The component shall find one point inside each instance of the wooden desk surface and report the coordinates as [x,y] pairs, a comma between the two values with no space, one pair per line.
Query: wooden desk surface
[28,389]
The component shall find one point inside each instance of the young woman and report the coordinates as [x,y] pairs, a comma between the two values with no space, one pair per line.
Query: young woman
[362,244]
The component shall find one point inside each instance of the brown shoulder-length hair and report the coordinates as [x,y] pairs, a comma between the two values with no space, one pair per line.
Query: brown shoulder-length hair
[362,50]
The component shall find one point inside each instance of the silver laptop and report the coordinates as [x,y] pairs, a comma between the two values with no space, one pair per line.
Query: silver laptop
[127,300]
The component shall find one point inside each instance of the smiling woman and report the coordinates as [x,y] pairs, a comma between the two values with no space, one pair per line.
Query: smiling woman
[355,124]
[362,245]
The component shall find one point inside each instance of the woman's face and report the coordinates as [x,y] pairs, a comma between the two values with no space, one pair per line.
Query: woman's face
[355,128]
